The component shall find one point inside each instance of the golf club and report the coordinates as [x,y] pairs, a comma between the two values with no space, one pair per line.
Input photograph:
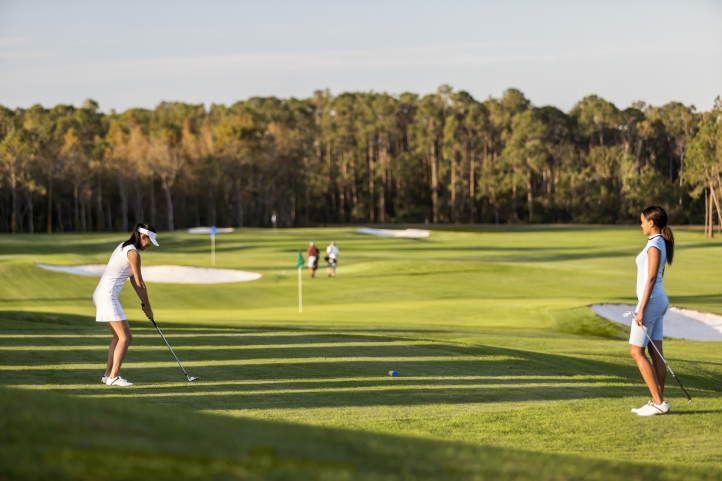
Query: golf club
[190,378]
[689,399]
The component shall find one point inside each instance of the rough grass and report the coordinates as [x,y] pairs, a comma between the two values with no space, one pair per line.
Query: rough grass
[505,374]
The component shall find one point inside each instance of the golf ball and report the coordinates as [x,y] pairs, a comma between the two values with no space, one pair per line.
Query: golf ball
[393,374]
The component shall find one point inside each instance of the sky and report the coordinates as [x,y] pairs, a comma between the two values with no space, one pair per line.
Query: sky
[139,53]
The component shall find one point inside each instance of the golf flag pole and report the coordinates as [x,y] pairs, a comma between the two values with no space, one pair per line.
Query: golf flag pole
[299,265]
[213,245]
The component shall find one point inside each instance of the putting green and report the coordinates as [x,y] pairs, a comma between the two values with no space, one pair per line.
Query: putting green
[504,373]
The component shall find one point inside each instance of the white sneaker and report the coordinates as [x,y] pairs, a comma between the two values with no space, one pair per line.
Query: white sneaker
[651,409]
[636,410]
[665,403]
[103,379]
[117,381]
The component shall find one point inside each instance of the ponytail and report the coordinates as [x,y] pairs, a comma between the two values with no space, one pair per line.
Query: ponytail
[135,235]
[657,215]
[668,243]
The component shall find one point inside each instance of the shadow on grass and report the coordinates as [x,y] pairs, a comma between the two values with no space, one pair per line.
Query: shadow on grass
[688,413]
[696,299]
[266,369]
[25,300]
[53,244]
[35,321]
[583,321]
[63,437]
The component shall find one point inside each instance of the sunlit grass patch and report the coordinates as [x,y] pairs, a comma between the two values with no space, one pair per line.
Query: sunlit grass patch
[490,335]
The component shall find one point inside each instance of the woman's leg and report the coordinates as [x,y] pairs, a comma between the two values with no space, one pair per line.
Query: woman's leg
[122,330]
[111,351]
[645,367]
[660,369]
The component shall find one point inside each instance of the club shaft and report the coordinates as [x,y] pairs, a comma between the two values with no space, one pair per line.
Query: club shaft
[689,398]
[171,349]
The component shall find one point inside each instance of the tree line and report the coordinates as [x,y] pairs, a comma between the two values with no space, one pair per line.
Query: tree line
[357,158]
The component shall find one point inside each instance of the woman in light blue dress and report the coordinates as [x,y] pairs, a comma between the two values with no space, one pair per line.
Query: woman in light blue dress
[652,306]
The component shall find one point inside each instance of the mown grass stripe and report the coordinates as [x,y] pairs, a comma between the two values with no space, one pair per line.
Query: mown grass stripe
[255,382]
[389,387]
[247,362]
[225,347]
[171,332]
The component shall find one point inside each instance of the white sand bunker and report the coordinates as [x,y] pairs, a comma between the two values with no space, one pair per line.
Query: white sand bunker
[165,274]
[407,233]
[678,323]
[207,230]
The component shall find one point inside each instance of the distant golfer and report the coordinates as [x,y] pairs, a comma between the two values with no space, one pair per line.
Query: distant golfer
[331,259]
[312,253]
[124,264]
[653,305]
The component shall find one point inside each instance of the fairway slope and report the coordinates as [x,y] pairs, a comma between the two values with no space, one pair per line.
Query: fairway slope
[46,435]
[505,372]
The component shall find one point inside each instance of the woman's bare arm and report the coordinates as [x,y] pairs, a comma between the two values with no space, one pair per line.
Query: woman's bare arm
[136,281]
[653,258]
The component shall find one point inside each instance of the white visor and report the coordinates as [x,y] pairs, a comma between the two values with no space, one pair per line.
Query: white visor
[149,234]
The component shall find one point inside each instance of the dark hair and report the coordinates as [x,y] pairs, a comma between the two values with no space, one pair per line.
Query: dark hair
[657,215]
[135,236]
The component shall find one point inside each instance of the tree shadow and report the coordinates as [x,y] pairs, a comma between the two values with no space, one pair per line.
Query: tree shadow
[696,299]
[41,299]
[301,368]
[33,321]
[528,254]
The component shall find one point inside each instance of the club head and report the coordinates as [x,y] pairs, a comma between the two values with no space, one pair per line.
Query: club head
[191,378]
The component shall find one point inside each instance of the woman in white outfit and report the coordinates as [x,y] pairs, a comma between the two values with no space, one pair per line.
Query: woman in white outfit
[653,305]
[124,264]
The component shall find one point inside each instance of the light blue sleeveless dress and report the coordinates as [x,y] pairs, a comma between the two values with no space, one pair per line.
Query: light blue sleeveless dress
[658,302]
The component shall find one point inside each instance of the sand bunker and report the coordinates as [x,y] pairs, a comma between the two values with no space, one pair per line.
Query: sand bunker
[165,274]
[207,230]
[678,323]
[407,233]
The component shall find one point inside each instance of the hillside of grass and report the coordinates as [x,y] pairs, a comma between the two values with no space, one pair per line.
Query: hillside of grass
[504,372]
[51,436]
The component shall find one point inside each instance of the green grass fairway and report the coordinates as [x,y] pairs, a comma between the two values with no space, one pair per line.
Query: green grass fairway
[504,372]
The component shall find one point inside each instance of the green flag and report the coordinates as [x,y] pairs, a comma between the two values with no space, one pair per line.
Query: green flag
[299,261]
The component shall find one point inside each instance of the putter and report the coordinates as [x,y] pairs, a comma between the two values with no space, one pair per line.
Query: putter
[689,399]
[190,378]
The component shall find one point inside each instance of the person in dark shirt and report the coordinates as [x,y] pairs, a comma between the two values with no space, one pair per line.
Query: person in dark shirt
[312,253]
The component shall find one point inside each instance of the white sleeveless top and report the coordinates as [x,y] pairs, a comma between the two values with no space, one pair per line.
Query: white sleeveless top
[643,267]
[116,273]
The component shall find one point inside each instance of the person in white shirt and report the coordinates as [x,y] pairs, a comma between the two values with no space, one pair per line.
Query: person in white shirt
[332,259]
[653,305]
[124,264]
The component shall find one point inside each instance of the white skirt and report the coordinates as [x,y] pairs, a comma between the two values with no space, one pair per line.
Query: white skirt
[107,308]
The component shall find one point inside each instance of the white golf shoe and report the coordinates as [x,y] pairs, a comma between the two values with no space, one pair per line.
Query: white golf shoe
[117,381]
[636,410]
[651,409]
[103,379]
